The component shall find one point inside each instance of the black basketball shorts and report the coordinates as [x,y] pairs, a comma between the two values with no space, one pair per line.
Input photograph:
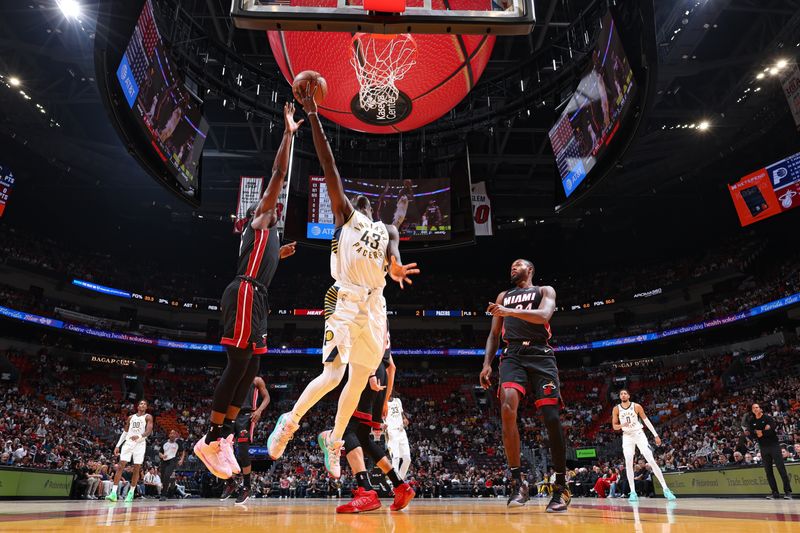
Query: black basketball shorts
[244,316]
[535,366]
[243,428]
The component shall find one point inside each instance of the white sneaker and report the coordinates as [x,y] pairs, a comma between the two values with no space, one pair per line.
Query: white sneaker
[332,449]
[281,435]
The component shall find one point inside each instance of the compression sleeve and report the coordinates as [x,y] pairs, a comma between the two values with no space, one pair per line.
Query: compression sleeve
[650,427]
[122,439]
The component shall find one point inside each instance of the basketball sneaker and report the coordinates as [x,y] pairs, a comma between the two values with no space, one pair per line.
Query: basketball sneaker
[230,488]
[633,497]
[211,455]
[363,501]
[244,495]
[560,500]
[281,435]
[668,495]
[228,455]
[518,494]
[402,497]
[112,496]
[130,495]
[333,453]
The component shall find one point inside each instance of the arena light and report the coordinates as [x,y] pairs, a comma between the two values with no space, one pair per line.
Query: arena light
[13,80]
[781,63]
[70,8]
[760,76]
[703,126]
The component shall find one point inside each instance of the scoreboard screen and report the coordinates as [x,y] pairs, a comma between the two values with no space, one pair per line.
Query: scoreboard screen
[594,113]
[6,184]
[420,209]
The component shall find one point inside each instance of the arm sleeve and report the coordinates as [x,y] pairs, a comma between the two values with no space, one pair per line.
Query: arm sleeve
[650,427]
[121,439]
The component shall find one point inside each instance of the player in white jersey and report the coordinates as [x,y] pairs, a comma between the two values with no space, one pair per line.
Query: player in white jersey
[628,417]
[134,443]
[362,252]
[396,438]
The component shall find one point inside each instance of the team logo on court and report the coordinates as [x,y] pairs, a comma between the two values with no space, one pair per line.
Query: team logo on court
[549,388]
[328,336]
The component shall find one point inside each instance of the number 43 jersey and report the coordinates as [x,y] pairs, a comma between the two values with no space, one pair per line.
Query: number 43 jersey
[358,252]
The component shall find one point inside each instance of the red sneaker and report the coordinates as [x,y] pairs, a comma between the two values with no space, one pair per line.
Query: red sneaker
[402,497]
[363,501]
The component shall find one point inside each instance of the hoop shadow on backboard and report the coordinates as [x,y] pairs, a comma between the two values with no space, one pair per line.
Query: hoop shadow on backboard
[498,17]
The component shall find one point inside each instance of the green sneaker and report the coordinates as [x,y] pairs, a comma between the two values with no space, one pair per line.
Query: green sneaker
[668,495]
[112,497]
[633,497]
[129,496]
[333,453]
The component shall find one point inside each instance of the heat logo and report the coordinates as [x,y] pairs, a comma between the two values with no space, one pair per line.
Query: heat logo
[786,199]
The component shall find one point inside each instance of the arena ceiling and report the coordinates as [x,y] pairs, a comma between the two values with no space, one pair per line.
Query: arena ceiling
[710,53]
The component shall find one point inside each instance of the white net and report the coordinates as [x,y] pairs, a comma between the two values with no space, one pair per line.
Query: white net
[380,61]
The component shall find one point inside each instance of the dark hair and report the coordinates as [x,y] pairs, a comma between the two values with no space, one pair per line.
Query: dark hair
[529,264]
[626,390]
[361,202]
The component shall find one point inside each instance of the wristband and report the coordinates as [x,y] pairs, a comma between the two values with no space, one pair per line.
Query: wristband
[311,113]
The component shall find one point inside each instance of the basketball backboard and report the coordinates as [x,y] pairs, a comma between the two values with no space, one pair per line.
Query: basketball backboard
[494,17]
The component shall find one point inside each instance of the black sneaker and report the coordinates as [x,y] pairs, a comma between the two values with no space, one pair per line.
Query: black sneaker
[230,488]
[518,494]
[244,495]
[560,500]
[162,499]
[774,496]
[787,496]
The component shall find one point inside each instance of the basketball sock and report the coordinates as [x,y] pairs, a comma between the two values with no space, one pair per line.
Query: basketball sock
[214,433]
[331,376]
[363,480]
[351,394]
[246,480]
[394,478]
[227,427]
[516,473]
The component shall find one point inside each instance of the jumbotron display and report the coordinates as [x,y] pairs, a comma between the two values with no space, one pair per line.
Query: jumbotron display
[768,191]
[170,115]
[420,209]
[594,113]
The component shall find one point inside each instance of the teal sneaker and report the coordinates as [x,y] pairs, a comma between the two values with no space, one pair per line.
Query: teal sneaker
[633,498]
[333,453]
[668,494]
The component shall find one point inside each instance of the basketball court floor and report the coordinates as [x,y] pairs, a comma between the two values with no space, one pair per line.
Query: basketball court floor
[456,515]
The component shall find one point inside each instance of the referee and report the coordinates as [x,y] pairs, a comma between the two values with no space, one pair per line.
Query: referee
[169,461]
[763,427]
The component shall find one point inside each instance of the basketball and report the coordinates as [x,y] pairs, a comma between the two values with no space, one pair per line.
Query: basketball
[446,68]
[314,78]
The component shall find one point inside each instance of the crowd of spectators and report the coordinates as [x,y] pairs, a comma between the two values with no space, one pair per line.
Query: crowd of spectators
[60,414]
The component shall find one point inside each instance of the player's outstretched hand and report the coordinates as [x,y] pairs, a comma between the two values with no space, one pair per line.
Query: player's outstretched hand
[400,273]
[486,377]
[288,249]
[385,410]
[116,451]
[658,441]
[375,384]
[306,94]
[288,118]
[496,309]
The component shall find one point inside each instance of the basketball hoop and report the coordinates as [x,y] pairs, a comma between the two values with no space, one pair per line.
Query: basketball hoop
[380,61]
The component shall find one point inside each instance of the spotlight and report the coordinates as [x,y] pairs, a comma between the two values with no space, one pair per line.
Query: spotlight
[13,80]
[703,126]
[760,76]
[70,8]
[781,63]
[773,71]
[521,220]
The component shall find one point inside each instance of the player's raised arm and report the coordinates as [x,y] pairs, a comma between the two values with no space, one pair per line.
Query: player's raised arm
[640,411]
[340,205]
[542,315]
[492,342]
[397,270]
[615,419]
[265,215]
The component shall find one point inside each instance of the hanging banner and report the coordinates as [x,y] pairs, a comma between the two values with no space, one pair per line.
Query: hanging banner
[6,184]
[791,88]
[481,210]
[249,193]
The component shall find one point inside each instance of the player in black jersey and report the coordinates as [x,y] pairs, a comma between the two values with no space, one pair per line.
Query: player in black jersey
[522,315]
[244,312]
[243,429]
[358,441]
